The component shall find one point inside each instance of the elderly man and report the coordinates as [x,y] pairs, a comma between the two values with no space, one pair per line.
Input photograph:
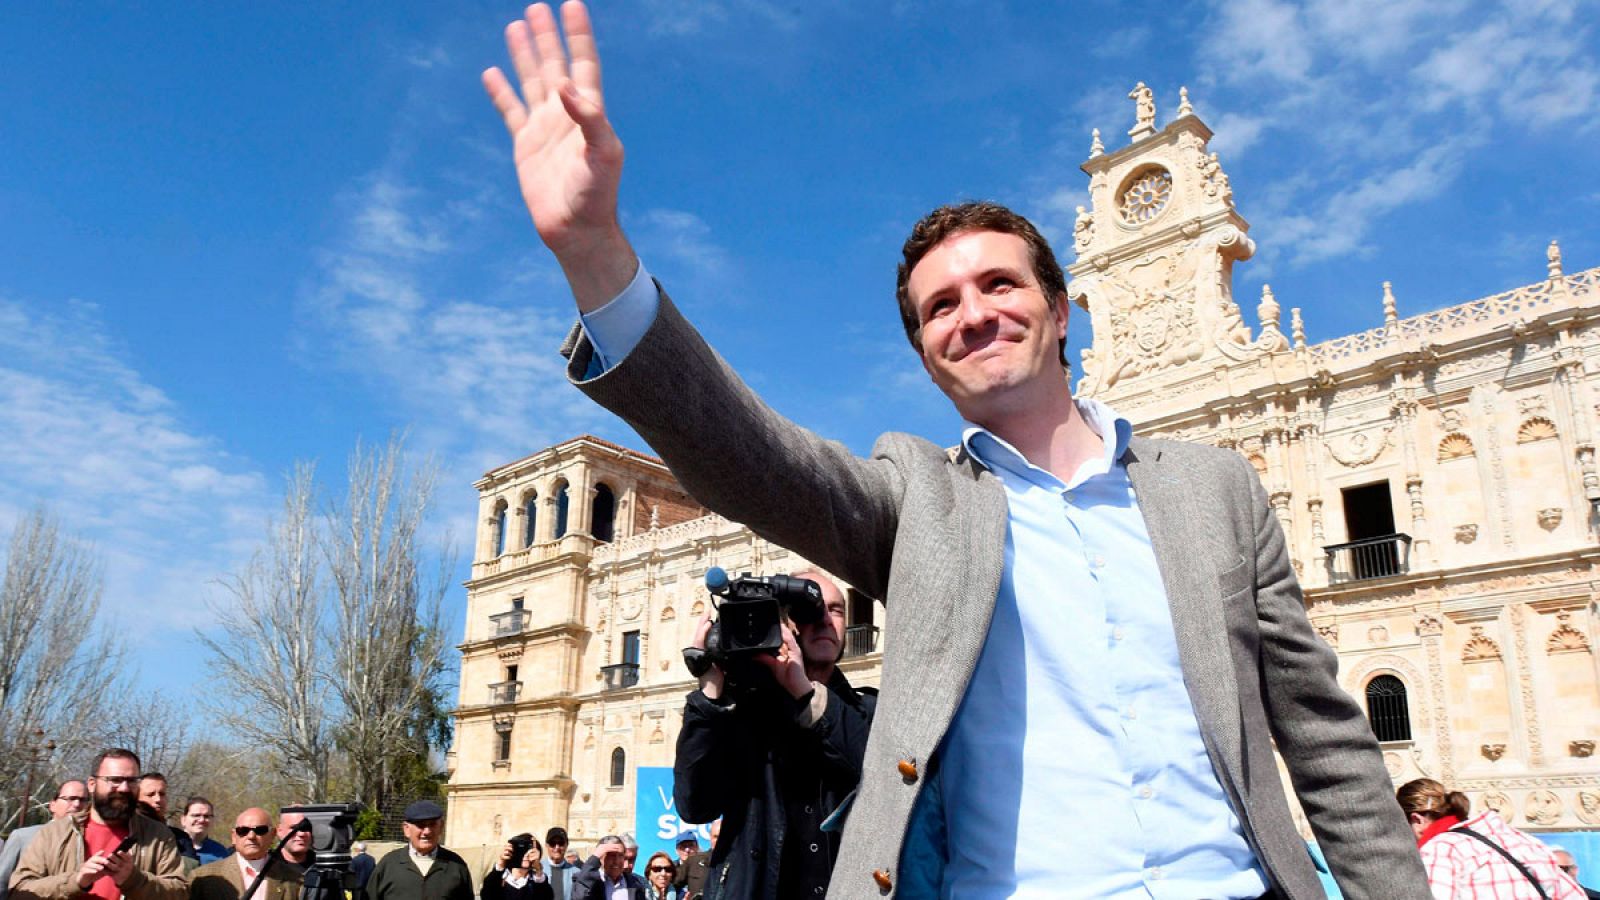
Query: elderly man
[1086,626]
[106,851]
[1567,863]
[561,870]
[229,877]
[424,870]
[605,876]
[194,836]
[71,797]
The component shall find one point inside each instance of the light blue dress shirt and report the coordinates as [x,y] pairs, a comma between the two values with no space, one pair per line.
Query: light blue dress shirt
[1075,765]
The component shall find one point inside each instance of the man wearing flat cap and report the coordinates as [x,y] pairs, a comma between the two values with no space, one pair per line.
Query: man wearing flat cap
[423,870]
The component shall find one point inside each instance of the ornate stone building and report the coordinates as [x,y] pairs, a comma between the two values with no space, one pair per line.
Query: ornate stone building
[1435,475]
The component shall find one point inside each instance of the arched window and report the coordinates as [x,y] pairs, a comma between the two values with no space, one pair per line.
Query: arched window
[530,513]
[603,514]
[561,510]
[500,526]
[619,767]
[1387,709]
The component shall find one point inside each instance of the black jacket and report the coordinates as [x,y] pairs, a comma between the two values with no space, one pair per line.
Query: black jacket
[396,877]
[589,883]
[495,888]
[773,781]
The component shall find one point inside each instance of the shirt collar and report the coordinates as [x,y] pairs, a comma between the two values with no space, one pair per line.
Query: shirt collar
[992,452]
[416,855]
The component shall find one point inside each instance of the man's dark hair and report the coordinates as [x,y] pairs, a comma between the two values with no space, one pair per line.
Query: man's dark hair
[154,776]
[196,798]
[962,218]
[113,753]
[556,835]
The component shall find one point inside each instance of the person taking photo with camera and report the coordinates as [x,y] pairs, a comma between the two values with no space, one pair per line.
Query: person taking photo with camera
[518,874]
[774,751]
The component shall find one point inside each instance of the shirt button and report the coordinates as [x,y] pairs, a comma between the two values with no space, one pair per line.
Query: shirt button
[813,848]
[1146,792]
[817,890]
[808,809]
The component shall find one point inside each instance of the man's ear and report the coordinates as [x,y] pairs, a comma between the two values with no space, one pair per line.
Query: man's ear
[1061,312]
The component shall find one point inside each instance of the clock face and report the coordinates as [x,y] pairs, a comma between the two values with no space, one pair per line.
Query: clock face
[1145,195]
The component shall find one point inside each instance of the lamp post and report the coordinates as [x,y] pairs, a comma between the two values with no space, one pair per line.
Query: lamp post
[32,754]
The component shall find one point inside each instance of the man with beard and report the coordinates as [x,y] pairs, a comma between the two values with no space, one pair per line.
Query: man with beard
[229,877]
[71,797]
[80,853]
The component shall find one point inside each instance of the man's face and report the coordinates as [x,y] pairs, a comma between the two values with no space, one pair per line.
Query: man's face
[298,845]
[557,851]
[424,835]
[72,797]
[687,850]
[988,332]
[257,826]
[197,821]
[630,857]
[153,793]
[113,787]
[1566,863]
[611,860]
[822,641]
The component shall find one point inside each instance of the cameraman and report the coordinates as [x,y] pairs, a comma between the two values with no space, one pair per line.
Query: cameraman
[774,757]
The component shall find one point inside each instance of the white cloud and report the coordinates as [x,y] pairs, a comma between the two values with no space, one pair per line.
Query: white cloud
[1259,39]
[88,437]
[1235,134]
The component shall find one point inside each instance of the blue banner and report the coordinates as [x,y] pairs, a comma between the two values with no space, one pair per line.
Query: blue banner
[655,821]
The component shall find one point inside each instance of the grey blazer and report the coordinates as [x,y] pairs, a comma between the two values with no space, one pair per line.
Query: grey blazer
[925,530]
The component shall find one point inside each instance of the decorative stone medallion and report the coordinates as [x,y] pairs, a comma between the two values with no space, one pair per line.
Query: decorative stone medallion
[1145,195]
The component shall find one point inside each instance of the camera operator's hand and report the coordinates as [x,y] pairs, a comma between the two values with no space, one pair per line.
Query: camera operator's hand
[788,668]
[504,862]
[711,682]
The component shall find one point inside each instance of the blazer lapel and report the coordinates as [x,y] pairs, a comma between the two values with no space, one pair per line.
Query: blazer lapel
[1184,552]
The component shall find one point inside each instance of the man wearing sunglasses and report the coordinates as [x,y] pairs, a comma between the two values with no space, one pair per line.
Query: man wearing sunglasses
[228,878]
[105,851]
[71,797]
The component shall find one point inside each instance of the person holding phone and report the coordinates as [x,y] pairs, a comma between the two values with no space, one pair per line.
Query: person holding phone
[518,873]
[105,851]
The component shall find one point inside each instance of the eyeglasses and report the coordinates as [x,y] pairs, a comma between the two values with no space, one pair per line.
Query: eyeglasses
[118,780]
[77,799]
[258,830]
[1570,870]
[661,868]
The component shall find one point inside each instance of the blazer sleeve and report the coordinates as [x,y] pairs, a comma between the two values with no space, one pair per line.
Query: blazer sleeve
[33,879]
[160,874]
[737,456]
[1327,746]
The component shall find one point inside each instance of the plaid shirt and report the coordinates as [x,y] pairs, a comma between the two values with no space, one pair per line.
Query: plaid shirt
[1464,868]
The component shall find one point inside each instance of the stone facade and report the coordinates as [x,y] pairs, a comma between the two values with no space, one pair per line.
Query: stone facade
[1435,475]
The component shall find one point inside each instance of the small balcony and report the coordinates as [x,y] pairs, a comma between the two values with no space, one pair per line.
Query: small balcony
[513,621]
[859,640]
[620,676]
[1375,557]
[504,692]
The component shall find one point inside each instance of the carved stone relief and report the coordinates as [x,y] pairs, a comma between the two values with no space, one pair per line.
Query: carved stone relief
[1429,625]
[1530,704]
[1493,752]
[1378,635]
[1466,534]
[1537,428]
[1500,803]
[1455,446]
[1329,634]
[1565,638]
[1480,647]
[1542,808]
[1450,420]
[1550,518]
[1581,749]
[1588,808]
[1359,449]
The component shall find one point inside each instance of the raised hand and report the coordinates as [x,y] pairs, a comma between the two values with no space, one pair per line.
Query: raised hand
[568,158]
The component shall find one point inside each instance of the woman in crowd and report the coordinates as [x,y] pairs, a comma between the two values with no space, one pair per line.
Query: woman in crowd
[524,879]
[658,874]
[1480,856]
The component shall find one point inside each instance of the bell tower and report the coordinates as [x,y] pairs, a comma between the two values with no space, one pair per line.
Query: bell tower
[1155,255]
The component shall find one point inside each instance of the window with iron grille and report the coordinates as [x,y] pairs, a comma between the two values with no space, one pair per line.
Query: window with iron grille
[1387,709]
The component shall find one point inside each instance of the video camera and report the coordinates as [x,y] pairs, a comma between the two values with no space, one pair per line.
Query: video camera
[750,614]
[327,875]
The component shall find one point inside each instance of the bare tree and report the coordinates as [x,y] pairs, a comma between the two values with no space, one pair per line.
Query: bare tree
[388,646]
[269,647]
[334,632]
[59,665]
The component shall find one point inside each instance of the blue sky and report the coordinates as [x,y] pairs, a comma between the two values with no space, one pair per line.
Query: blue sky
[233,237]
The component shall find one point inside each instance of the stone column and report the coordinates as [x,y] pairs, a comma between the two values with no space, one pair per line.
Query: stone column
[1311,446]
[1430,629]
[1569,370]
[1406,409]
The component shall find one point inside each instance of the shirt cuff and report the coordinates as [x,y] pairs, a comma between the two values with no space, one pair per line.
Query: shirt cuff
[616,328]
[811,713]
